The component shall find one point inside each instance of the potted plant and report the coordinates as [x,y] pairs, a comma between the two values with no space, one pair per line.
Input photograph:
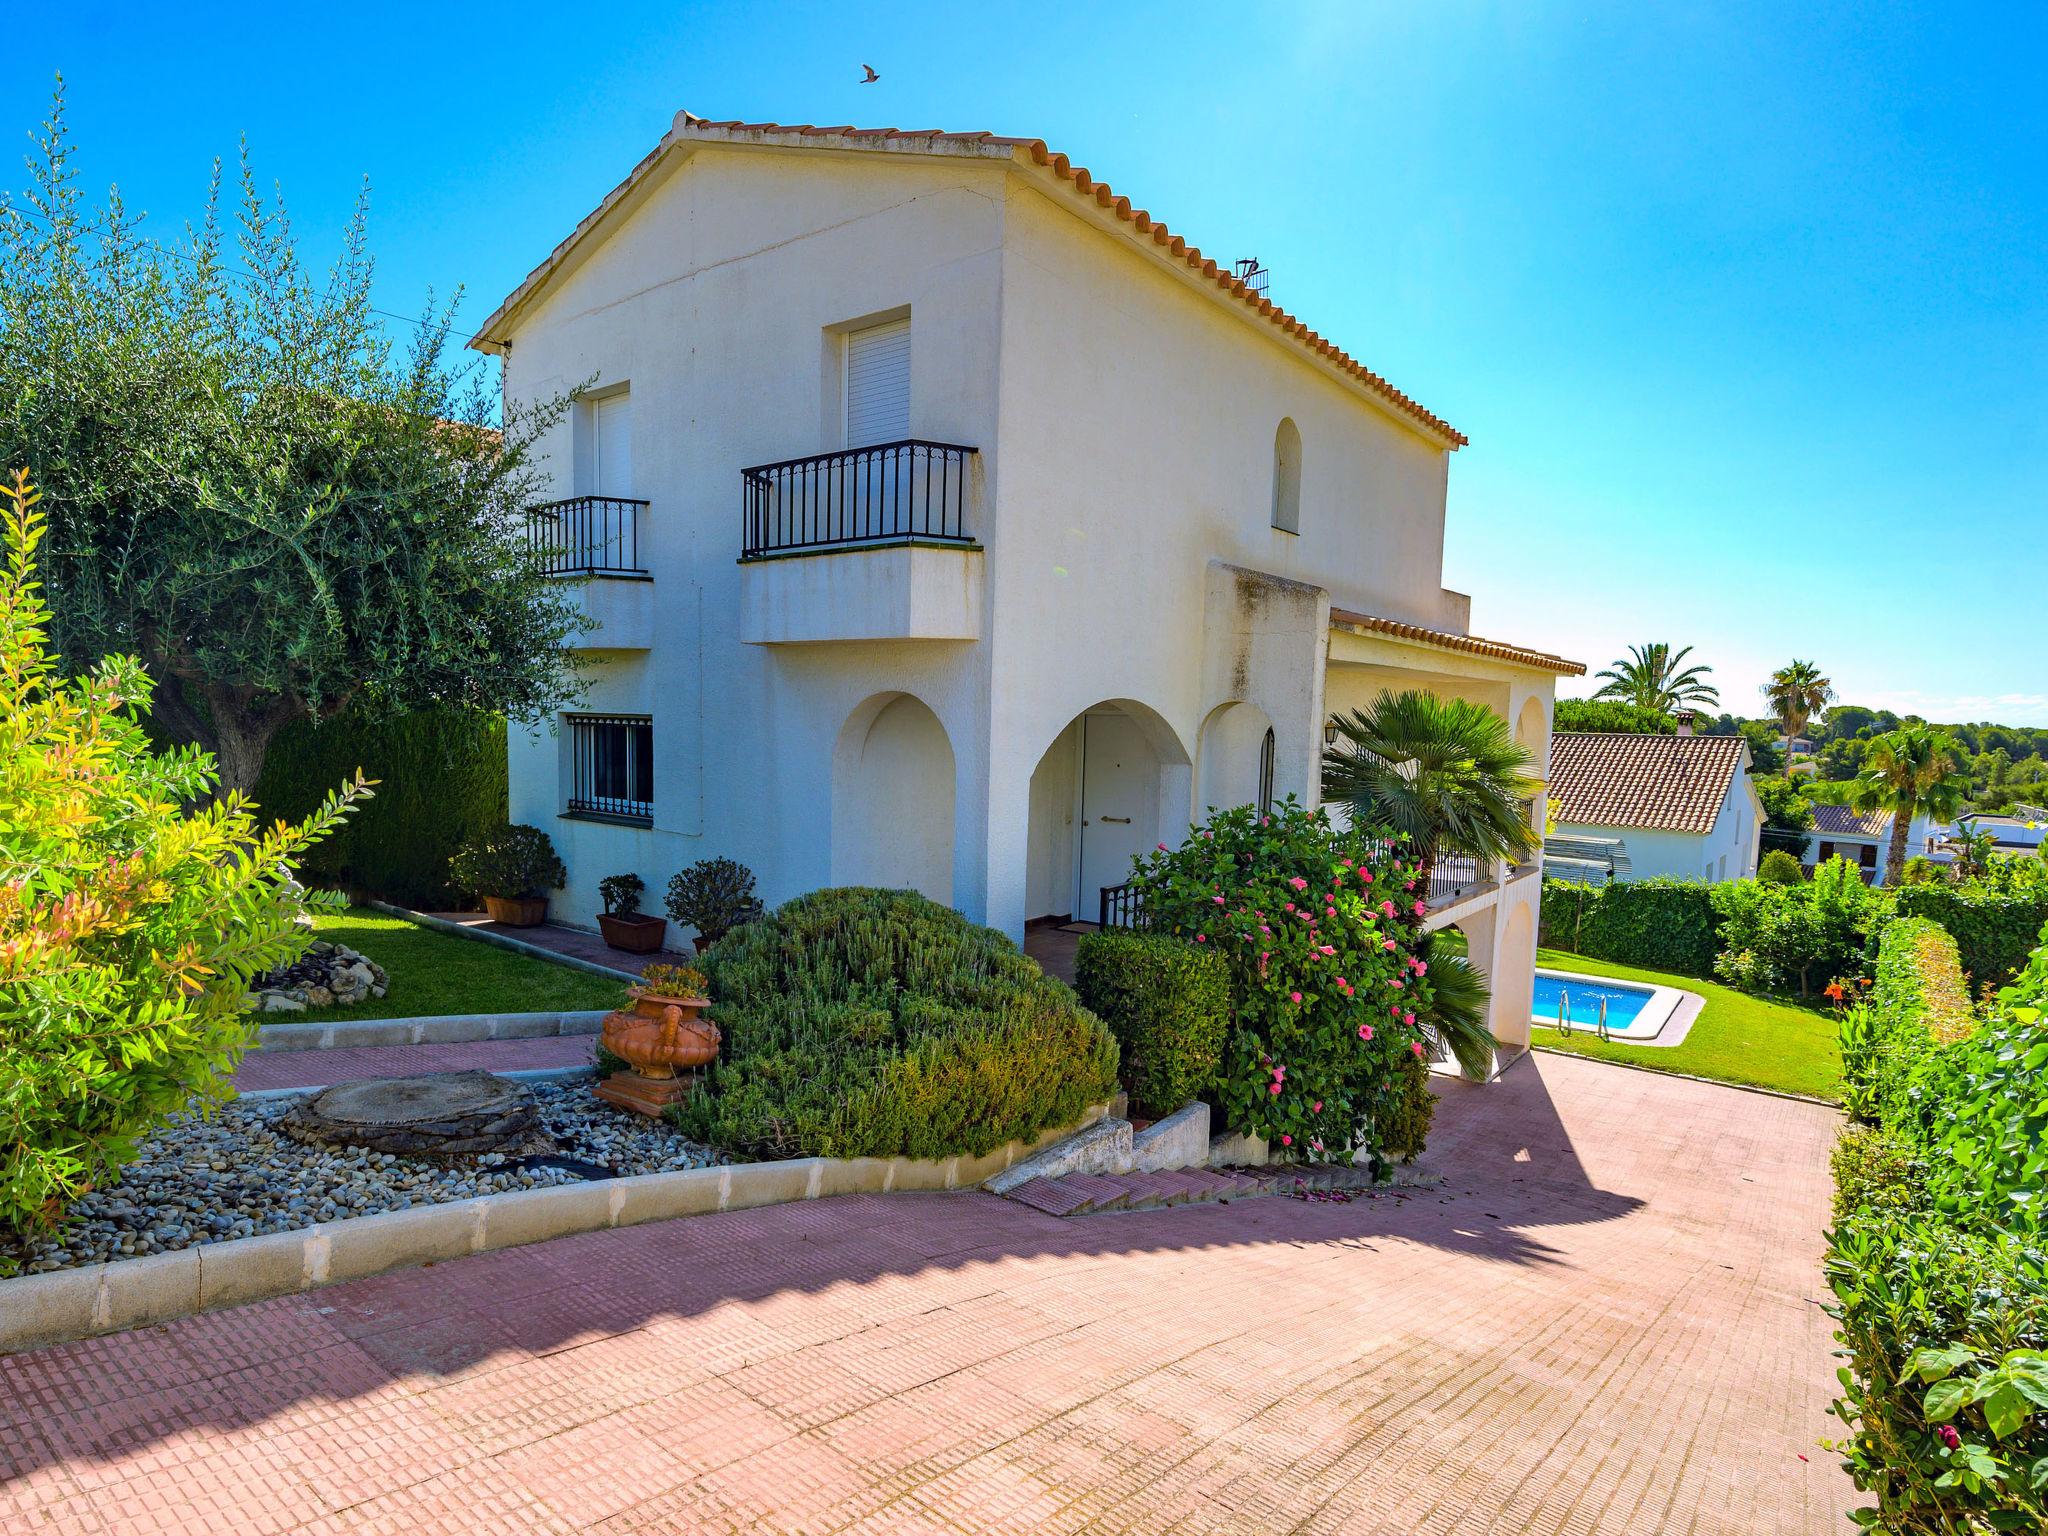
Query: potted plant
[713,896]
[513,868]
[660,1036]
[622,923]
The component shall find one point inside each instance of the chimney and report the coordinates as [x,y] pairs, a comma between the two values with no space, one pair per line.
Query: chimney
[1685,722]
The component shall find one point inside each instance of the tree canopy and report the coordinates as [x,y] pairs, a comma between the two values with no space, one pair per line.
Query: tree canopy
[250,487]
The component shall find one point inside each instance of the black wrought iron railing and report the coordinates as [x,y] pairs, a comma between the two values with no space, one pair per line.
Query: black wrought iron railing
[1122,906]
[889,493]
[611,760]
[589,536]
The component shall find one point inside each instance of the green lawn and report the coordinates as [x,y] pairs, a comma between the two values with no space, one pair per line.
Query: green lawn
[432,973]
[1764,1041]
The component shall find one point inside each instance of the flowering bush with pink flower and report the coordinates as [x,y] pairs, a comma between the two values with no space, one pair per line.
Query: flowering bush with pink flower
[1319,929]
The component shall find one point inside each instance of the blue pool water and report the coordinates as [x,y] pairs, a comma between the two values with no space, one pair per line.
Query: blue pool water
[1623,1001]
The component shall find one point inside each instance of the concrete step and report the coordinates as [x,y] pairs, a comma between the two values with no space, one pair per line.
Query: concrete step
[1086,1194]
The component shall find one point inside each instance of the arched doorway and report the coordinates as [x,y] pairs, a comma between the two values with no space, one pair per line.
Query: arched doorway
[892,798]
[1236,755]
[1114,782]
[1532,732]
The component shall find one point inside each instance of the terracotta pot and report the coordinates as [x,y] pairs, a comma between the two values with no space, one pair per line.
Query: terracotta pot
[517,911]
[661,1033]
[703,943]
[635,932]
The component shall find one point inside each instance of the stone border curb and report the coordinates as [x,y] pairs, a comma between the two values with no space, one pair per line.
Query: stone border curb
[516,1074]
[428,1029]
[518,946]
[65,1304]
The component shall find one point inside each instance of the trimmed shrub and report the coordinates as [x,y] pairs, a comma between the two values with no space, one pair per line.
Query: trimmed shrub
[510,861]
[129,927]
[1318,928]
[1661,924]
[440,776]
[1780,868]
[1168,1004]
[865,1023]
[1414,1108]
[1937,1256]
[1994,928]
[1785,937]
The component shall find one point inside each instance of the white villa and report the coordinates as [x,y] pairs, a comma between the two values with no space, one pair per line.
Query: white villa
[950,523]
[1685,806]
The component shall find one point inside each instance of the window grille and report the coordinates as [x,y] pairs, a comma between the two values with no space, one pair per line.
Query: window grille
[612,765]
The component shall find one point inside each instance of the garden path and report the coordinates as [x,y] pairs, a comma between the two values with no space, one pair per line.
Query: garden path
[1608,1321]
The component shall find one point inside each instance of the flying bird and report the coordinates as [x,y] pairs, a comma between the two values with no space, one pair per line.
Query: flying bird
[872,77]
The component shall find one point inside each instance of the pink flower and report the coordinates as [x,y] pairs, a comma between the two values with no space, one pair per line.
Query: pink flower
[1326,949]
[1341,982]
[1317,1107]
[1329,911]
[1294,997]
[1286,1140]
[1386,943]
[1273,1088]
[1287,906]
[1415,1046]
[1397,983]
[1365,875]
[1422,967]
[1217,899]
[1387,907]
[1407,1018]
[1162,848]
[1201,938]
[1208,834]
[1420,909]
[1298,883]
[1365,1031]
[1949,1437]
[1317,1145]
[1265,928]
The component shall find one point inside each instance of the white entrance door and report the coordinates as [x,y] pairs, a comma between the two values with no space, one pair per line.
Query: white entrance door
[1119,804]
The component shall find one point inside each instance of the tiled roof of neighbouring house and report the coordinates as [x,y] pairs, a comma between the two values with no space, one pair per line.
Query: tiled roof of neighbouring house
[1031,153]
[1660,783]
[1443,639]
[1840,821]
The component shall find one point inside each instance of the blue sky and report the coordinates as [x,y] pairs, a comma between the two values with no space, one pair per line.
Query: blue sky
[1744,307]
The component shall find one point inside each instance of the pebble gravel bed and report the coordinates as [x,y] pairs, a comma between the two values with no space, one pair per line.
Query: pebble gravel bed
[234,1174]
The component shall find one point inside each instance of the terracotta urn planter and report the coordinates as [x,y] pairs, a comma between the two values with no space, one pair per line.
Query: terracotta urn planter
[634,932]
[663,1038]
[517,911]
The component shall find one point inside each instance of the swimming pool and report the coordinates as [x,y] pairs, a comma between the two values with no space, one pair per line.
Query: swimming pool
[1633,1012]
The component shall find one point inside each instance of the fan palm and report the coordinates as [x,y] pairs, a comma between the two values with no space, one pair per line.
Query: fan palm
[1797,693]
[1913,769]
[1458,1002]
[1655,677]
[1445,773]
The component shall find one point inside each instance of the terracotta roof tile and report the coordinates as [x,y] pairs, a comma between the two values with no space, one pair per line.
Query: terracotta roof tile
[1657,783]
[1443,639]
[1061,168]
[1840,821]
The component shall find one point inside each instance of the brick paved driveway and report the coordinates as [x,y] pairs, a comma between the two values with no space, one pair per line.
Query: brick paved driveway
[1606,1323]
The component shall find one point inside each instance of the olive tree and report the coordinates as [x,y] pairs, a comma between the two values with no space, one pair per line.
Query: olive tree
[250,487]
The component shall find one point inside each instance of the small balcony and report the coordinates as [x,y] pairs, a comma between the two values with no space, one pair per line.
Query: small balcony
[863,544]
[595,542]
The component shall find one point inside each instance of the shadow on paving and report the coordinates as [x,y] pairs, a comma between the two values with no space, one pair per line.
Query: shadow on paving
[1509,1162]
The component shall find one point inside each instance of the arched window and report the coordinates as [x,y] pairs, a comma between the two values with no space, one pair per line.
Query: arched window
[1287,477]
[1266,749]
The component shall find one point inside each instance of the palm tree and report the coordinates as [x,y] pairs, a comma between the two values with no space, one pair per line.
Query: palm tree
[1653,676]
[1915,768]
[1446,773]
[1458,1002]
[1797,693]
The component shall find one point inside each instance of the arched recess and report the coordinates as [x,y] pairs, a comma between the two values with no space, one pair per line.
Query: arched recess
[1287,476]
[1532,732]
[1231,757]
[1115,781]
[892,798]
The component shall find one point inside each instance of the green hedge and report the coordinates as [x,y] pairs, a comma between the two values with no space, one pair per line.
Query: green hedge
[1937,1257]
[865,1023]
[1168,1004]
[1994,930]
[440,781]
[1661,924]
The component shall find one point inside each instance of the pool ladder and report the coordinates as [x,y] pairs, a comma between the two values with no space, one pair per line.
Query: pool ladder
[1564,1016]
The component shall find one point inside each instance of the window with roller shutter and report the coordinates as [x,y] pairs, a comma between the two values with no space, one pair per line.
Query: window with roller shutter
[878,384]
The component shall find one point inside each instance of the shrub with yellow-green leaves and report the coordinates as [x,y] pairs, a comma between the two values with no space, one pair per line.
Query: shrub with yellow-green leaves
[134,909]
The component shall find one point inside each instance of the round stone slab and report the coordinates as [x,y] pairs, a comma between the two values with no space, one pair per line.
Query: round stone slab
[442,1115]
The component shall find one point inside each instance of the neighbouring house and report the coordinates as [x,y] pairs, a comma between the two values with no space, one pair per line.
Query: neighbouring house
[1864,838]
[2014,834]
[948,522]
[1684,805]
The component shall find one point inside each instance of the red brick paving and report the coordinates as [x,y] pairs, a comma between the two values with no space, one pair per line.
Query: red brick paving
[1607,1321]
[565,941]
[345,1064]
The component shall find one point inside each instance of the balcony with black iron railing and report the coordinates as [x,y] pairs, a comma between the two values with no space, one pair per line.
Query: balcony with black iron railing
[908,492]
[589,536]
